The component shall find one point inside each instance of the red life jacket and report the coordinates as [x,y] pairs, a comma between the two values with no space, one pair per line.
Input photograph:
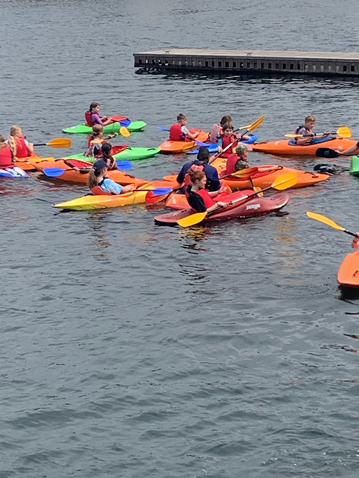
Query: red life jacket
[100,192]
[208,201]
[21,148]
[226,141]
[231,163]
[88,116]
[5,157]
[176,133]
[187,180]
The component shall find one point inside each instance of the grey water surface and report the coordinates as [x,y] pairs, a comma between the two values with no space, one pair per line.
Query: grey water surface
[133,350]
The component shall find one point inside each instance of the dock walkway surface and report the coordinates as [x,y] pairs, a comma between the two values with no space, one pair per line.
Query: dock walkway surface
[248,61]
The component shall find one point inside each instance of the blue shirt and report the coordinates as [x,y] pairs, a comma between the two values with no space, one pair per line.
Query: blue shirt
[110,186]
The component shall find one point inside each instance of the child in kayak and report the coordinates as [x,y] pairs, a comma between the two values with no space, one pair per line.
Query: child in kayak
[213,183]
[229,138]
[217,129]
[180,132]
[106,150]
[92,116]
[307,132]
[198,197]
[5,154]
[18,143]
[238,160]
[100,184]
[96,139]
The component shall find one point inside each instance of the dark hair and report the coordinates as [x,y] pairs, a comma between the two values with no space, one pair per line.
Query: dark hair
[203,154]
[93,105]
[225,119]
[106,150]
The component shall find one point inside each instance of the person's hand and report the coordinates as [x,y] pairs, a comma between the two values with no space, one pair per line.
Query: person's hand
[355,242]
[223,189]
[222,204]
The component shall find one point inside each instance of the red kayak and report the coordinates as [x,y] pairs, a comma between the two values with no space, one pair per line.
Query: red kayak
[256,206]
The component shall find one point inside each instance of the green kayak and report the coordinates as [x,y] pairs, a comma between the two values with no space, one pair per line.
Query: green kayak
[354,166]
[132,126]
[129,153]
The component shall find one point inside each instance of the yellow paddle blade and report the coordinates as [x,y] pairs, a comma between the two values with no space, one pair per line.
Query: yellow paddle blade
[285,181]
[124,131]
[192,219]
[254,125]
[59,143]
[326,220]
[344,132]
[292,135]
[258,189]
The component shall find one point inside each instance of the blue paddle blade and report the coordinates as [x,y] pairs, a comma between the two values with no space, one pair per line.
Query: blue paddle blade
[125,122]
[124,165]
[162,128]
[53,172]
[203,144]
[160,191]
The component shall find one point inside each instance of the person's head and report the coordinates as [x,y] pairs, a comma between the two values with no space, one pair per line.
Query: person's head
[94,107]
[97,130]
[227,129]
[97,172]
[106,149]
[182,119]
[16,131]
[225,119]
[203,154]
[2,142]
[198,178]
[309,122]
[242,150]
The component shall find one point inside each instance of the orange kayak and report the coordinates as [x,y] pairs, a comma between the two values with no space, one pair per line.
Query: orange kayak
[348,273]
[27,164]
[263,176]
[183,146]
[288,147]
[76,176]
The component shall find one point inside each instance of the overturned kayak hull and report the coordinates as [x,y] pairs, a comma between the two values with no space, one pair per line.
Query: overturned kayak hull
[256,206]
[14,172]
[90,202]
[348,273]
[132,126]
[173,147]
[283,146]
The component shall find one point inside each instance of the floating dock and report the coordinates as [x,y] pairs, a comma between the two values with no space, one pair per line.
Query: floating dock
[260,62]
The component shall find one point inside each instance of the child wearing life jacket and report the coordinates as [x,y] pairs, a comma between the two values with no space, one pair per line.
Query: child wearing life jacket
[96,139]
[106,150]
[217,129]
[5,154]
[180,132]
[18,143]
[238,160]
[198,197]
[93,117]
[307,132]
[100,184]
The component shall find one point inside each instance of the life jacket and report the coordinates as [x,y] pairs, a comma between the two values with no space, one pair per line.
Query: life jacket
[176,134]
[21,148]
[187,179]
[5,157]
[91,137]
[88,116]
[100,192]
[208,201]
[299,128]
[215,133]
[226,141]
[231,163]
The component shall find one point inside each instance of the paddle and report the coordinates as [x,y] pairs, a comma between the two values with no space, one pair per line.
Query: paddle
[342,132]
[57,143]
[282,182]
[329,222]
[56,172]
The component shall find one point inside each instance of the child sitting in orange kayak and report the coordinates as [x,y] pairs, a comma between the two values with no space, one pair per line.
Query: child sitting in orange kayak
[93,117]
[198,197]
[18,143]
[307,133]
[100,184]
[238,160]
[180,132]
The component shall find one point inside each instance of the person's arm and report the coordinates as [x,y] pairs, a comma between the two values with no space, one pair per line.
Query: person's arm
[111,187]
[212,178]
[190,135]
[217,205]
[350,151]
[182,173]
[96,119]
[196,202]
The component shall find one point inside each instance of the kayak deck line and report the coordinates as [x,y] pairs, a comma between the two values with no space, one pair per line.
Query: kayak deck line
[282,62]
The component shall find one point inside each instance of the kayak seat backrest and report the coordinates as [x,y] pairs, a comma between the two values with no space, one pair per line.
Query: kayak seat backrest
[76,163]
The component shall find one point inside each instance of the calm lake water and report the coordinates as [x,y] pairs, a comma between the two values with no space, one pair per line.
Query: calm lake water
[133,350]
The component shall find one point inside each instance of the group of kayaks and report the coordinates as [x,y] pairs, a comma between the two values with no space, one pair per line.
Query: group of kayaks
[245,202]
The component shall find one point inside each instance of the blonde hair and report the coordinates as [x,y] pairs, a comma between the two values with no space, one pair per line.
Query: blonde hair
[97,128]
[309,118]
[92,180]
[2,142]
[12,141]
